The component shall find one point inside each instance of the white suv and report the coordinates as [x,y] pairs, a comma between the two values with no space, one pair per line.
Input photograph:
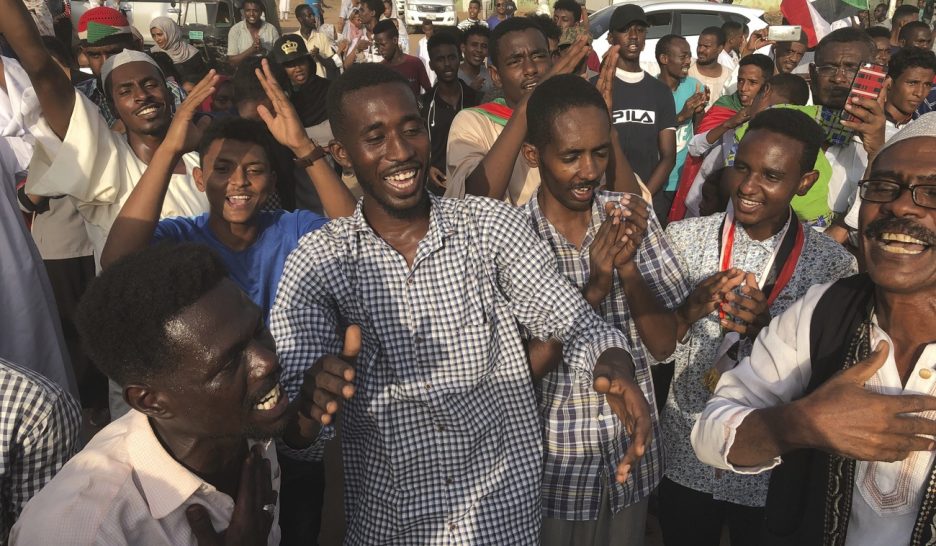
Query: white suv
[440,12]
[681,18]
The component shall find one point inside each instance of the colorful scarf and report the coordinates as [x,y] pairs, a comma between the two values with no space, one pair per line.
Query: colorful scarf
[496,111]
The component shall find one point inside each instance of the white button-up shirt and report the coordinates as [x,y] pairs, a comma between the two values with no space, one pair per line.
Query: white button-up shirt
[887,496]
[125,488]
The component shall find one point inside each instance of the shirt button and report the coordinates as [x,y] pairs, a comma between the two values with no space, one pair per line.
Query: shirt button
[441,428]
[926,373]
[449,481]
[410,281]
[453,527]
[417,340]
[428,386]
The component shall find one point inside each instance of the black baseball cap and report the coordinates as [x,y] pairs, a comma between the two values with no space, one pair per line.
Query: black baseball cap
[626,15]
[288,48]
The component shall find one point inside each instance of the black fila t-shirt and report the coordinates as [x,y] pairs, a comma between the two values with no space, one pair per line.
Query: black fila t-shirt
[640,111]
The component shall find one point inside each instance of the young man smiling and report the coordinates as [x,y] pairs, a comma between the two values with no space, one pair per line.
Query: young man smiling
[77,155]
[841,385]
[438,416]
[192,462]
[484,142]
[235,174]
[612,250]
[674,57]
[473,69]
[252,37]
[745,265]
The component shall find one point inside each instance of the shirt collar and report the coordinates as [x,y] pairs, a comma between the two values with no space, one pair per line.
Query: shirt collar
[439,220]
[165,483]
[545,229]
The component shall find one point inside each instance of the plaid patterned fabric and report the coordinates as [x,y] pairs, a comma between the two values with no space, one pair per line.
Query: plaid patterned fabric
[441,441]
[583,439]
[38,434]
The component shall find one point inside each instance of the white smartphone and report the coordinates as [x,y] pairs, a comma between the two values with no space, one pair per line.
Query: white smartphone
[784,33]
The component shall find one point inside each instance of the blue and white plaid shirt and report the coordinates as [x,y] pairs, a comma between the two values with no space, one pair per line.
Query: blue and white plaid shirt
[441,441]
[584,440]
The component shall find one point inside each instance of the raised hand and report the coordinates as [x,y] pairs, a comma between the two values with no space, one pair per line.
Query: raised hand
[183,135]
[868,121]
[606,76]
[608,242]
[843,417]
[330,381]
[635,214]
[750,307]
[693,105]
[477,83]
[756,40]
[253,509]
[283,122]
[615,379]
[741,117]
[573,56]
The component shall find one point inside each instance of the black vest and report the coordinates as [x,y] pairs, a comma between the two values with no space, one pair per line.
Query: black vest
[801,487]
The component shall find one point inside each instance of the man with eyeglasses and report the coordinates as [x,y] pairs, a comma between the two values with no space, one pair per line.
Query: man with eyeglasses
[841,385]
[500,13]
[838,57]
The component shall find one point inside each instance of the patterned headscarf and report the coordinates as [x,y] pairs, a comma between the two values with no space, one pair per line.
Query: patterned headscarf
[178,49]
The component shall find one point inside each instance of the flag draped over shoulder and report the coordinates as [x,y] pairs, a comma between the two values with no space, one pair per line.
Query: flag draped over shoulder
[817,16]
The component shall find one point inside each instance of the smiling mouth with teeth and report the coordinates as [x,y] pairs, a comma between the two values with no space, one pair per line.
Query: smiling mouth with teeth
[147,110]
[401,176]
[900,243]
[270,400]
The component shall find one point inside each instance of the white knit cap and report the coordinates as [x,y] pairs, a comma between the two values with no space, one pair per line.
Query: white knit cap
[124,57]
[923,126]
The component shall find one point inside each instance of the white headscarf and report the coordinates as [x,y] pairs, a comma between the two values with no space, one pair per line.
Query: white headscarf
[178,49]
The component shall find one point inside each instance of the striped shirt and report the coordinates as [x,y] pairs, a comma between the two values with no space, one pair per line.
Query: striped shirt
[584,440]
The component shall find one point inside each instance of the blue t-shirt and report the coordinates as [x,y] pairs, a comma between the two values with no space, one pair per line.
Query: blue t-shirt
[257,268]
[684,132]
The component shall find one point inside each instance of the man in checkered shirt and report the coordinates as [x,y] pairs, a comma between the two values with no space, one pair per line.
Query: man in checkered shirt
[38,434]
[440,437]
[610,246]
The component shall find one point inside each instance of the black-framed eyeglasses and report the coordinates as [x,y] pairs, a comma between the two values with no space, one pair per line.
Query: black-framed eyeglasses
[830,70]
[887,191]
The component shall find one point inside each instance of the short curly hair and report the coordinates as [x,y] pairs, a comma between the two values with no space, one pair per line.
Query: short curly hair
[359,76]
[123,315]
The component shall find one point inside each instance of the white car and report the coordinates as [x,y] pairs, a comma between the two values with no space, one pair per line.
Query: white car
[686,19]
[440,12]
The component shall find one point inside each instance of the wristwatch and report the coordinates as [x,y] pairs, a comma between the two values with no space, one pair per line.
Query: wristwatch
[317,153]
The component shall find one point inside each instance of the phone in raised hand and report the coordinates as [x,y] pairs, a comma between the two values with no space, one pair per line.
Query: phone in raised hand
[784,33]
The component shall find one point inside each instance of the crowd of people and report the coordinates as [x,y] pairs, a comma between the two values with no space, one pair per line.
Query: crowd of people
[502,291]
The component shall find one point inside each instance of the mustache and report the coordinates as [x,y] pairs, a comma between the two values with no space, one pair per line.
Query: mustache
[903,226]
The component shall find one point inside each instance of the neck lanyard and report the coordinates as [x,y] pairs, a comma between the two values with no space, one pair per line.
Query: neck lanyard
[779,268]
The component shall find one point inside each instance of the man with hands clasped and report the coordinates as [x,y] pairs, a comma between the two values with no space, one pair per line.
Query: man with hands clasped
[438,416]
[608,246]
[746,265]
[841,385]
